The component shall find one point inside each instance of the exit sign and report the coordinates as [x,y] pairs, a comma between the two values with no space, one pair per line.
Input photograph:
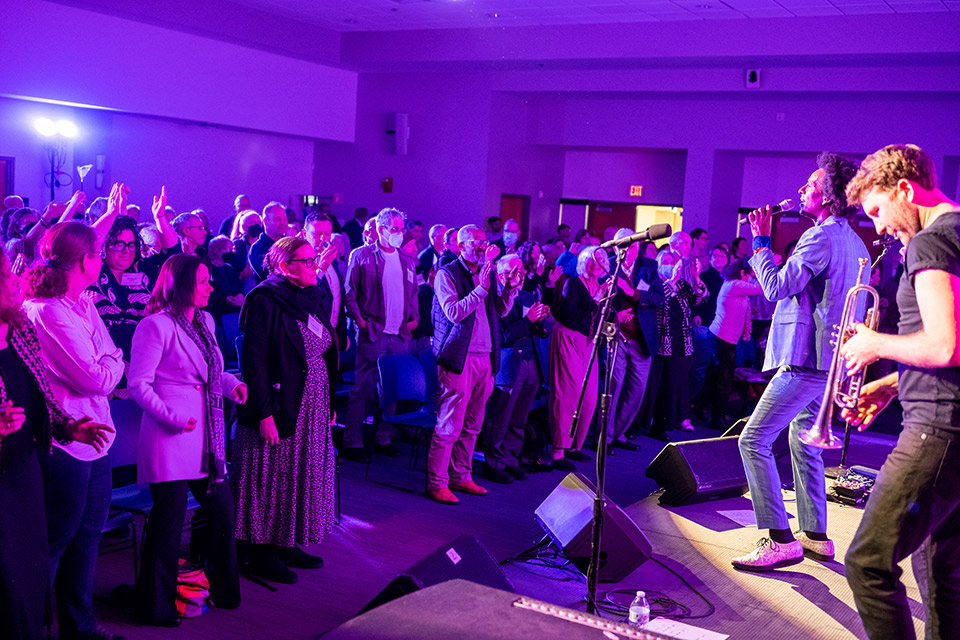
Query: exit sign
[636,190]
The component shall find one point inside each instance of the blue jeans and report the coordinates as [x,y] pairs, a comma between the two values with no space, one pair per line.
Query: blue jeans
[914,505]
[630,374]
[77,501]
[792,398]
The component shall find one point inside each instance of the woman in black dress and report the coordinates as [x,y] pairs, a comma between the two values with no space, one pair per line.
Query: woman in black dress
[283,456]
[30,418]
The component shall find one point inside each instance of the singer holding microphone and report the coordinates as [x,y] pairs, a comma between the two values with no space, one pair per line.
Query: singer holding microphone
[809,291]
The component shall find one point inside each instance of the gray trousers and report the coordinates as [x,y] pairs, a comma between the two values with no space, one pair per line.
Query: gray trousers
[364,391]
[506,419]
[630,372]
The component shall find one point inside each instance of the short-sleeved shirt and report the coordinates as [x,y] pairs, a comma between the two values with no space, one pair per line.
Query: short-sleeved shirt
[930,397]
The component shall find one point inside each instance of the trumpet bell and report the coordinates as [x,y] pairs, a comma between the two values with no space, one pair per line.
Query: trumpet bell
[820,438]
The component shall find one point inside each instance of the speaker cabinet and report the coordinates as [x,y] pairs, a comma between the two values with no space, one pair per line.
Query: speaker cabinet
[699,470]
[567,517]
[464,558]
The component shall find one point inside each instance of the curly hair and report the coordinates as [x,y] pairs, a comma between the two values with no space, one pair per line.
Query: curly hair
[63,246]
[121,224]
[884,168]
[282,250]
[837,173]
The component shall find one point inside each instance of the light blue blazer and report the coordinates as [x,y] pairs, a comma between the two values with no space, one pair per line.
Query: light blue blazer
[810,291]
[168,379]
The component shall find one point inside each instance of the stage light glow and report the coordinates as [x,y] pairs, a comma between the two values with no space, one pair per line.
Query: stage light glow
[45,127]
[67,129]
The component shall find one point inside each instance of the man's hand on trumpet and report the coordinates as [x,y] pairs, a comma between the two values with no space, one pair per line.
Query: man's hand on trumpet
[874,398]
[861,349]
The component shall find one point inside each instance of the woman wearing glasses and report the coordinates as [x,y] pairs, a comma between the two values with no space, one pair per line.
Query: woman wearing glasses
[83,367]
[283,456]
[121,292]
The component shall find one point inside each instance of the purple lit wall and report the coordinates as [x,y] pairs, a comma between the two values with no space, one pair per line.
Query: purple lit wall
[66,54]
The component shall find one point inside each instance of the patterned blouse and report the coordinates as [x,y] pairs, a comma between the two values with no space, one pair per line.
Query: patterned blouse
[121,305]
[674,317]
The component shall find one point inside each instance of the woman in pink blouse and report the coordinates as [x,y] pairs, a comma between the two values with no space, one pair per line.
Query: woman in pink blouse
[83,366]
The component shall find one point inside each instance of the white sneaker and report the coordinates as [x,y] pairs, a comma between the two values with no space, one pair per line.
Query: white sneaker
[686,425]
[816,549]
[770,555]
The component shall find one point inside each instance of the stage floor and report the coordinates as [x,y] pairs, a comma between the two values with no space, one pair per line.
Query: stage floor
[384,531]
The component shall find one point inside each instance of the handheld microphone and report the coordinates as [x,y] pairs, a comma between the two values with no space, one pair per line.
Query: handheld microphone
[883,242]
[785,205]
[653,232]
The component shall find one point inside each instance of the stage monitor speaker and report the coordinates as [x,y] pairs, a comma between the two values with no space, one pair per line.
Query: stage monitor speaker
[461,609]
[781,446]
[567,517]
[699,470]
[464,558]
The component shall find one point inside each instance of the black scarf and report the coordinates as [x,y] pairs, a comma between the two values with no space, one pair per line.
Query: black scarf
[296,301]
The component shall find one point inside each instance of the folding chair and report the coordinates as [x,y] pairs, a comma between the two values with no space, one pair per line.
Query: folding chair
[402,379]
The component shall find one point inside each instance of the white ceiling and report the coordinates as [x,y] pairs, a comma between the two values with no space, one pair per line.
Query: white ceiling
[402,15]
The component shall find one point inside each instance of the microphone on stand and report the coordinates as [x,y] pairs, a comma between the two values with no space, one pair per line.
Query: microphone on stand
[653,232]
[785,205]
[883,242]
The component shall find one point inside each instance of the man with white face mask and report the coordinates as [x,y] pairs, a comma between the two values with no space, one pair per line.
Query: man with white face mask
[511,237]
[382,300]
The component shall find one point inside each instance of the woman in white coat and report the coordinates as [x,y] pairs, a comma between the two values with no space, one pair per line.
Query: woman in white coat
[176,375]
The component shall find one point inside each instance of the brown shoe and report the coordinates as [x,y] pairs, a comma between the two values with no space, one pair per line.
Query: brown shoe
[442,495]
[470,487]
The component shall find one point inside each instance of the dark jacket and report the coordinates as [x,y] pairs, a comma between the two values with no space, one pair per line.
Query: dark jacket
[53,425]
[648,301]
[326,300]
[257,253]
[425,260]
[516,344]
[274,360]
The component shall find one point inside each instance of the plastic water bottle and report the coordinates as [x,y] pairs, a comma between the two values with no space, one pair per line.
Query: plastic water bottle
[639,611]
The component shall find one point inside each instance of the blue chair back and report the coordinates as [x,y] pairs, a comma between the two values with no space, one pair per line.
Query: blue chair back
[126,419]
[401,378]
[238,341]
[429,364]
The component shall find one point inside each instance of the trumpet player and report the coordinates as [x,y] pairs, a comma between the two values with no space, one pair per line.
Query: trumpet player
[916,496]
[809,294]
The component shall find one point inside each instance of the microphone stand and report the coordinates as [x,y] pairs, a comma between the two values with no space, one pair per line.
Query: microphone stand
[610,331]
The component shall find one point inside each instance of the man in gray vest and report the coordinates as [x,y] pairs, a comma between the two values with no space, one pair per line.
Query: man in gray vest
[466,344]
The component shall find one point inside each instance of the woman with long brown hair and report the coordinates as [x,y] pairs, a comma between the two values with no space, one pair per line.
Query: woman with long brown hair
[83,366]
[177,377]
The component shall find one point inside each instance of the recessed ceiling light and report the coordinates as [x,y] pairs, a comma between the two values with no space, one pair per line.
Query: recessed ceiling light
[493,15]
[703,6]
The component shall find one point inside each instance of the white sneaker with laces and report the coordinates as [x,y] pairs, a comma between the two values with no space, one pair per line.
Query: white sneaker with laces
[770,555]
[816,549]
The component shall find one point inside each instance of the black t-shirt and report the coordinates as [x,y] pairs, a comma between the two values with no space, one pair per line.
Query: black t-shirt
[930,397]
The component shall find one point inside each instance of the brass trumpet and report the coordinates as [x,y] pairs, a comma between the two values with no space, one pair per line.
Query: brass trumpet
[843,389]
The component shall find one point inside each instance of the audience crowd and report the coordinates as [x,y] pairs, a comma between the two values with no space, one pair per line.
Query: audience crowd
[96,305]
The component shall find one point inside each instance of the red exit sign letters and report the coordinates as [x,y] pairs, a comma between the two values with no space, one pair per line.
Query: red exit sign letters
[636,190]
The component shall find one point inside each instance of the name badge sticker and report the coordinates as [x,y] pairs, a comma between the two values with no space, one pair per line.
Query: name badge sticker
[131,279]
[315,325]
